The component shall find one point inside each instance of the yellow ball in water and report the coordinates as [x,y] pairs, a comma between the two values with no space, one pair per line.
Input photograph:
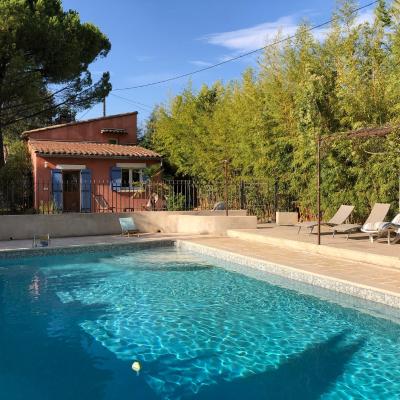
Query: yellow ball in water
[136,366]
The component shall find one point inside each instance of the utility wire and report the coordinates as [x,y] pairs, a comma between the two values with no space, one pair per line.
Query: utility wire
[84,113]
[139,104]
[53,94]
[312,28]
[72,100]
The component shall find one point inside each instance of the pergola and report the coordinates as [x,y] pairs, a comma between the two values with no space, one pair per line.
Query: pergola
[380,131]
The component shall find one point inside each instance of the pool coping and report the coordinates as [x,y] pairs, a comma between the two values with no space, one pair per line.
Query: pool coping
[358,290]
[91,248]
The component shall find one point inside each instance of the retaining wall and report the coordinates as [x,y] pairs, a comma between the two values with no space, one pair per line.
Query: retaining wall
[78,224]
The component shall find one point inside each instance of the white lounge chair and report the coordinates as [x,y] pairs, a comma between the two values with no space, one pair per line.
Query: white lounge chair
[128,226]
[386,228]
[339,218]
[378,214]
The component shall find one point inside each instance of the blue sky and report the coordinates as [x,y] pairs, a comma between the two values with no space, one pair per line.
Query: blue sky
[154,40]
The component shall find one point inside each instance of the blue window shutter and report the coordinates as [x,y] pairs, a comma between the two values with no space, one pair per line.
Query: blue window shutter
[57,188]
[86,190]
[116,178]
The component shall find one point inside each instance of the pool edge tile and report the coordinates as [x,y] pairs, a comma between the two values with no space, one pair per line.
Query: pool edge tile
[91,248]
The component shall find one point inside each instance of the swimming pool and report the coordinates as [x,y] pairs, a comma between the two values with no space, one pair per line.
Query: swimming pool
[72,325]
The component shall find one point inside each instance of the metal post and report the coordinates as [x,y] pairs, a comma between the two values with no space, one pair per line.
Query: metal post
[276,205]
[319,185]
[226,186]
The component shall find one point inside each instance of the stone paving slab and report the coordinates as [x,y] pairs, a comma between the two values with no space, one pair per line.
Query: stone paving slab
[9,245]
[357,248]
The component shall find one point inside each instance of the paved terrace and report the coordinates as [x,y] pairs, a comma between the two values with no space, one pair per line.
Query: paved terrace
[356,248]
[367,275]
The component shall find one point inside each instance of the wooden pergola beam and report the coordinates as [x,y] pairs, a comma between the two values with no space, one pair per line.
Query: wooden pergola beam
[370,132]
[363,133]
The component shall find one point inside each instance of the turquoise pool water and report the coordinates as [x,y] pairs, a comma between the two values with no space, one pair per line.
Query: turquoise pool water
[71,326]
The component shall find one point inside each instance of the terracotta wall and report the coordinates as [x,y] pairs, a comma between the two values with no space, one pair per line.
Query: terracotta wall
[100,168]
[90,131]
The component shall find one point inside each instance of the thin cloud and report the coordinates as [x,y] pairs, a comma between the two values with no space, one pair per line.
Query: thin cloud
[365,16]
[200,63]
[248,39]
[144,58]
[150,77]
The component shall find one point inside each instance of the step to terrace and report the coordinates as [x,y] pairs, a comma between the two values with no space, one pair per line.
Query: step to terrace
[358,248]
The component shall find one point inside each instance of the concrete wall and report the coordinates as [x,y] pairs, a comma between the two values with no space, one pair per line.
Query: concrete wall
[194,222]
[76,224]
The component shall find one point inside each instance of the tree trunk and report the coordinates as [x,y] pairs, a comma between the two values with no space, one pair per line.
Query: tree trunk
[3,68]
[2,155]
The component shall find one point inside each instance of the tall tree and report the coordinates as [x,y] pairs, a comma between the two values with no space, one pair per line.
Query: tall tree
[45,53]
[266,122]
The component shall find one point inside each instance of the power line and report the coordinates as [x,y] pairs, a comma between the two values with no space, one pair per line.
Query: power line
[53,94]
[53,107]
[84,113]
[137,103]
[239,56]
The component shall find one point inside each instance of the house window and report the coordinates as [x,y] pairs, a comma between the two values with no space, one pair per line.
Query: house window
[113,141]
[131,177]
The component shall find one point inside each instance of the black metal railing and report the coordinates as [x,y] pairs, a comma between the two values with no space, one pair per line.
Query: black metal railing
[257,197]
[16,198]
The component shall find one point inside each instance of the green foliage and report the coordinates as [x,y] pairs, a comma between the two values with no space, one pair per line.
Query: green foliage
[16,180]
[45,53]
[267,122]
[18,167]
[48,207]
[176,202]
[151,172]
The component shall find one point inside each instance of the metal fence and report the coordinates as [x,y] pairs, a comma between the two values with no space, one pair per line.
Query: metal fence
[257,197]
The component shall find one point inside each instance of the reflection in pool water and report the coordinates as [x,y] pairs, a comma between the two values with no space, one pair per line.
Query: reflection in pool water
[71,327]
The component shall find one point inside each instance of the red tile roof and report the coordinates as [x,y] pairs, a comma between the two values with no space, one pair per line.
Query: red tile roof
[82,149]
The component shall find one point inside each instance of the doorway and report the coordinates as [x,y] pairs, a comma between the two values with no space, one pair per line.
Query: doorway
[71,191]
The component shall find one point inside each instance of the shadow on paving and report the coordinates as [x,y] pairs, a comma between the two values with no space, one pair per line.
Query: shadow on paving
[304,376]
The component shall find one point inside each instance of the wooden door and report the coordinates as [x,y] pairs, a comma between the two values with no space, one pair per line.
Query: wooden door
[71,191]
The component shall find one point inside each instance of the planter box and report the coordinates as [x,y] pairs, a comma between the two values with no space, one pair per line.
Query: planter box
[286,218]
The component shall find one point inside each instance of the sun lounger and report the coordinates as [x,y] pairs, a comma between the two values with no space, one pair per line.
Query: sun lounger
[378,214]
[128,226]
[396,229]
[381,229]
[339,218]
[102,203]
[219,206]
